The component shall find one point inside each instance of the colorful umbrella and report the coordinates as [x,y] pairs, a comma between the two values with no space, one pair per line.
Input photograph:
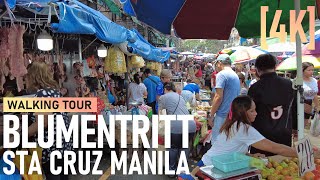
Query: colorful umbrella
[245,54]
[290,64]
[282,47]
[315,52]
[190,17]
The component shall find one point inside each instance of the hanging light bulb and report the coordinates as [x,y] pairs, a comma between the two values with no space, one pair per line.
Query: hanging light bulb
[44,41]
[102,51]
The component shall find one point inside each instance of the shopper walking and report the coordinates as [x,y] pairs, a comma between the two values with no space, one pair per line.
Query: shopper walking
[310,87]
[274,98]
[227,88]
[151,82]
[137,90]
[174,104]
[40,80]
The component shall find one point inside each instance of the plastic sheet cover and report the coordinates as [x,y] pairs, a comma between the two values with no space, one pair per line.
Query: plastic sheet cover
[78,18]
[146,50]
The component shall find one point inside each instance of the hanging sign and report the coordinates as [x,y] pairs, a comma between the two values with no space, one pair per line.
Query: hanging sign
[306,156]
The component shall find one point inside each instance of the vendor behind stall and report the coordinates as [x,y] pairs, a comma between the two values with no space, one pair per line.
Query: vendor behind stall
[40,80]
[193,88]
[237,134]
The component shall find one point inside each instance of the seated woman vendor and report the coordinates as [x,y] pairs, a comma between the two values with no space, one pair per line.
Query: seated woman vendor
[237,134]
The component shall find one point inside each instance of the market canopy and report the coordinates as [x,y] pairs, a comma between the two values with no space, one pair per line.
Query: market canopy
[159,14]
[146,50]
[191,21]
[77,18]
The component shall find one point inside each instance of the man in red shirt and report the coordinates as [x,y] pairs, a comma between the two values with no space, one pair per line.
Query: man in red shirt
[198,73]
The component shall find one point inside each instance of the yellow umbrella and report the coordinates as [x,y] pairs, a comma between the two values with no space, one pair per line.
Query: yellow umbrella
[290,64]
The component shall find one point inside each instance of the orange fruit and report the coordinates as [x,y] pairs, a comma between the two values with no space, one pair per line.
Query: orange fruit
[309,176]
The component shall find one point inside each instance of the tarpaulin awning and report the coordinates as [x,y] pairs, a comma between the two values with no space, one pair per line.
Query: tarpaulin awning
[146,50]
[27,3]
[81,19]
[77,18]
[159,14]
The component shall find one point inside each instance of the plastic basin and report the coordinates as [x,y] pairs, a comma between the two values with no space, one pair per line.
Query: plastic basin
[231,162]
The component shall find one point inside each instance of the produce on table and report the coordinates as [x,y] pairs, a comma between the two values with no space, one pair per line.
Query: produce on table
[203,108]
[288,170]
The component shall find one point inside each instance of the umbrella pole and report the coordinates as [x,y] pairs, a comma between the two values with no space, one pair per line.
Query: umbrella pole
[299,81]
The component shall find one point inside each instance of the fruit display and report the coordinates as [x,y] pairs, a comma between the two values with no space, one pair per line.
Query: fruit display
[203,108]
[288,169]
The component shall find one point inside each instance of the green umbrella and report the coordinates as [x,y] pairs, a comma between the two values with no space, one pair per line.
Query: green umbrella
[249,18]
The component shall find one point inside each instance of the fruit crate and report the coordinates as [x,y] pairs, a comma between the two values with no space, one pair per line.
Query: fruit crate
[231,162]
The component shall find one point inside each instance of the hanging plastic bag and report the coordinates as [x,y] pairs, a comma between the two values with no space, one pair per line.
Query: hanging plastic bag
[158,67]
[130,65]
[107,61]
[115,61]
[315,125]
[137,61]
[119,62]
[150,65]
[27,162]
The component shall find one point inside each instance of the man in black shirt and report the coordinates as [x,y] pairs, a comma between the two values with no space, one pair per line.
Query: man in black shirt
[275,103]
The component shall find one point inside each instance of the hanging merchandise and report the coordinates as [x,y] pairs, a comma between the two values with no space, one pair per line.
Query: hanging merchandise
[115,61]
[137,61]
[91,62]
[86,69]
[130,65]
[11,54]
[158,68]
[150,65]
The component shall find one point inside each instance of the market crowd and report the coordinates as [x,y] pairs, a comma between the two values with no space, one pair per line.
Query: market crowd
[252,108]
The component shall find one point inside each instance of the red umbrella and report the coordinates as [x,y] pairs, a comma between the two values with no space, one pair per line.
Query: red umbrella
[206,19]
